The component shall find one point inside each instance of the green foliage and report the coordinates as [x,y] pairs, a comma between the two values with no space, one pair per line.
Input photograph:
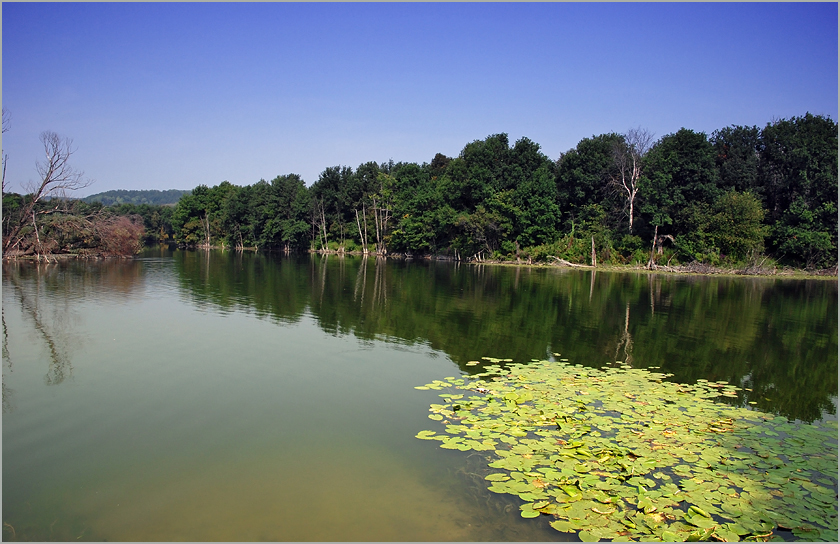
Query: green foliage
[536,214]
[737,225]
[151,197]
[576,247]
[737,153]
[502,201]
[732,229]
[269,215]
[12,204]
[697,243]
[582,175]
[211,215]
[632,248]
[421,215]
[680,173]
[799,186]
[803,236]
[622,454]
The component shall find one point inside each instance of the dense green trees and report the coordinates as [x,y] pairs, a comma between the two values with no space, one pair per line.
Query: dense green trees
[730,227]
[199,217]
[502,197]
[269,215]
[681,173]
[798,175]
[773,187]
[583,174]
[723,198]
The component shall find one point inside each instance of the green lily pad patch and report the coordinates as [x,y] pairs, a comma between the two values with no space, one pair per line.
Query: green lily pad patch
[623,454]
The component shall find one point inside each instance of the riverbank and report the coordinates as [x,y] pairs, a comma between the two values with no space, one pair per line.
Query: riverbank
[56,257]
[695,267]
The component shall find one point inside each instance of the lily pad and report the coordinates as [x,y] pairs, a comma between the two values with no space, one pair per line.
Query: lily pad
[628,455]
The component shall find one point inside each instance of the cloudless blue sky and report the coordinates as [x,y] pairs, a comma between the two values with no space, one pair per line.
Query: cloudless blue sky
[165,95]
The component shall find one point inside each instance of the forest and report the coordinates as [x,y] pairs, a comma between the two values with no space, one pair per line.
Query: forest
[741,195]
[123,196]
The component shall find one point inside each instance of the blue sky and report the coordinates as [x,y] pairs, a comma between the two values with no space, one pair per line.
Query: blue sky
[162,95]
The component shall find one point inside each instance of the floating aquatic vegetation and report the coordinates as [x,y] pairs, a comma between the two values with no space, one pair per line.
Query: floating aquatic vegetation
[621,454]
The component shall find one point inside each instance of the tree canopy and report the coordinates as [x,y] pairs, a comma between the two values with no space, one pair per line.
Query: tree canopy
[733,196]
[724,197]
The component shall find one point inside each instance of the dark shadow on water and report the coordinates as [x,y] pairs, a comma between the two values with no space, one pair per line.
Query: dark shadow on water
[776,338]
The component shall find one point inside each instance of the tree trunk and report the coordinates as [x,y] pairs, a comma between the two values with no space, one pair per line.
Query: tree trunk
[650,264]
[364,218]
[37,237]
[359,225]
[377,221]
[324,228]
[205,224]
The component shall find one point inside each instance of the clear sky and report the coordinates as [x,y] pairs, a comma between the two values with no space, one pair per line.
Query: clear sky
[164,95]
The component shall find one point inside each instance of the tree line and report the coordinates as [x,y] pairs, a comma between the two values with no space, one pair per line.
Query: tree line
[735,195]
[149,196]
[740,195]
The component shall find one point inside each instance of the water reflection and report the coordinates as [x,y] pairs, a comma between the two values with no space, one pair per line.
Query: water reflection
[7,365]
[210,425]
[776,337]
[44,294]
[74,279]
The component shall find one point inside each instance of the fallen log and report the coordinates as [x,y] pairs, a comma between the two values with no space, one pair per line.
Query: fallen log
[564,262]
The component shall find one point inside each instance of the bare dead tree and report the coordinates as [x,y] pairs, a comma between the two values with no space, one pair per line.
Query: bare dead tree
[627,159]
[120,235]
[5,160]
[362,234]
[57,177]
[7,124]
[382,211]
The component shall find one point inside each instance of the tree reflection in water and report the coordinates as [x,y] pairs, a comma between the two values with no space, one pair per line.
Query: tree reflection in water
[777,337]
[781,333]
[45,293]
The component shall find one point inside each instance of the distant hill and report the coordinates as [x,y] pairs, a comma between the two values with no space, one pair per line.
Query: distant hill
[123,196]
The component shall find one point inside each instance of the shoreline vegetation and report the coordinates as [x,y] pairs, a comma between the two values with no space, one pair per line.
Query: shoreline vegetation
[692,268]
[743,200]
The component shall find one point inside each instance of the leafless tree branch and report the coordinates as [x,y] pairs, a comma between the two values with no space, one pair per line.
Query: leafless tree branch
[7,123]
[57,178]
[627,159]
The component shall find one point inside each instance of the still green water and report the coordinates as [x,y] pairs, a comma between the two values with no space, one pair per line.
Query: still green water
[222,396]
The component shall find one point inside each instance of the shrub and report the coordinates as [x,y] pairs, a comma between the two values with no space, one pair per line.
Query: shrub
[120,236]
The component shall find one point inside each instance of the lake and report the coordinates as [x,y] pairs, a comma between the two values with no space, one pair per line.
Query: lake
[222,396]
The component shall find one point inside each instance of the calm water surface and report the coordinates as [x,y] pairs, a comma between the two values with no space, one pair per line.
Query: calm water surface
[216,396]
